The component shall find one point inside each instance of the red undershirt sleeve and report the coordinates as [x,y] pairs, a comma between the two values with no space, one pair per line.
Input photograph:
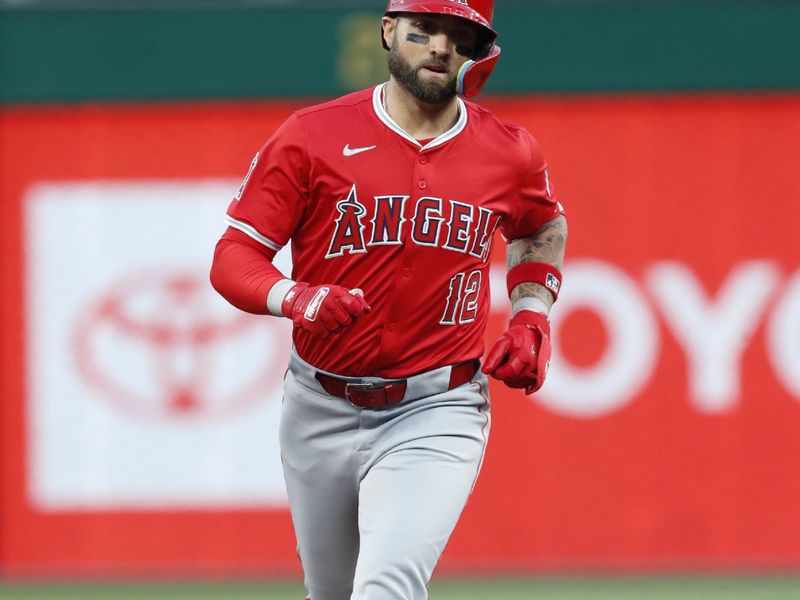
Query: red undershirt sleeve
[242,271]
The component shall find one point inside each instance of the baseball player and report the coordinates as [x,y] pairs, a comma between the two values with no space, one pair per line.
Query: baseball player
[390,197]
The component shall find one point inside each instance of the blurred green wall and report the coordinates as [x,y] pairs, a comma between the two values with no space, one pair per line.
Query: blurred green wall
[85,55]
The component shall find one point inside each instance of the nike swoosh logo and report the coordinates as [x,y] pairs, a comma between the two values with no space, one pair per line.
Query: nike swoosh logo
[348,151]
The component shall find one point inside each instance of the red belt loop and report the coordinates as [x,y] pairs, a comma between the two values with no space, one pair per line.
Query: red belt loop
[462,373]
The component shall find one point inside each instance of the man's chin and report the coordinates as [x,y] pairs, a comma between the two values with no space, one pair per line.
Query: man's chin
[434,90]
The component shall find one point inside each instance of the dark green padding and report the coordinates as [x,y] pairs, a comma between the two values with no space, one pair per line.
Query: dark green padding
[52,55]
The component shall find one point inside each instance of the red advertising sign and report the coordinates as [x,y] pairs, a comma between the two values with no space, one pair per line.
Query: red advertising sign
[667,435]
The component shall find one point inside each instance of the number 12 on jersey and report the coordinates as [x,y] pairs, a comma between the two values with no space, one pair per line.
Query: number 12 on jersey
[462,300]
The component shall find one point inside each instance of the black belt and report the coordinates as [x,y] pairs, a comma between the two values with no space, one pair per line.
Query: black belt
[386,393]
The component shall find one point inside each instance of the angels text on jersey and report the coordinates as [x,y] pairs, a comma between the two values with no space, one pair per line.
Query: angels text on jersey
[435,222]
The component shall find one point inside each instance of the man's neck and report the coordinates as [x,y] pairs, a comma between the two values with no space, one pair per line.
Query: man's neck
[419,119]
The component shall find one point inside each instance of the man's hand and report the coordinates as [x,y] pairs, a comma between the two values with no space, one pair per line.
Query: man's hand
[324,309]
[521,357]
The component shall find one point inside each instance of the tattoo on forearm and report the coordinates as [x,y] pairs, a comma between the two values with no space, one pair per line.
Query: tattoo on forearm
[545,245]
[532,290]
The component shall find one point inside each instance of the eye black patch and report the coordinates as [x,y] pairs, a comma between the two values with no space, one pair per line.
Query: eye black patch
[424,40]
[465,51]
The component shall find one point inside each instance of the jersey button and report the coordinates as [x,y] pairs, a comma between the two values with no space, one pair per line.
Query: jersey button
[422,184]
[391,327]
[407,272]
[423,160]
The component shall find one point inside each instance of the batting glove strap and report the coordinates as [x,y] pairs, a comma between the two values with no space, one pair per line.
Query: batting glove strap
[323,309]
[521,357]
[531,319]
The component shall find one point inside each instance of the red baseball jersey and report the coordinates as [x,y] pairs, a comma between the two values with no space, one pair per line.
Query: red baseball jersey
[367,206]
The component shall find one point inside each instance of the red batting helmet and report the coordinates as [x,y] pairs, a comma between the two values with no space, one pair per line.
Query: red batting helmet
[473,73]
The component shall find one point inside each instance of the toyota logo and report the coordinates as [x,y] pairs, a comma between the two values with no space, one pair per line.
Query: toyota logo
[161,344]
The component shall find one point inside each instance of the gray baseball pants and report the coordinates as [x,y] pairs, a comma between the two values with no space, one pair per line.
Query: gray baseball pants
[375,494]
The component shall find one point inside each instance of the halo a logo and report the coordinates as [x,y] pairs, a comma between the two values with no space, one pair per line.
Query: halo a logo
[163,345]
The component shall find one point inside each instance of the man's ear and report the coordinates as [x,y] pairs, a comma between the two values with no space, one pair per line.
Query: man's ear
[388,27]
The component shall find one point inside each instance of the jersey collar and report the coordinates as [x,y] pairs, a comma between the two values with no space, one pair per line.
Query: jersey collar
[461,123]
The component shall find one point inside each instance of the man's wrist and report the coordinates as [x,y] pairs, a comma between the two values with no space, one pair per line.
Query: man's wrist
[276,296]
[541,273]
[530,303]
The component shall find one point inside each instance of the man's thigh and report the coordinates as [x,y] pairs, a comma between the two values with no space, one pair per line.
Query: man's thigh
[412,496]
[318,435]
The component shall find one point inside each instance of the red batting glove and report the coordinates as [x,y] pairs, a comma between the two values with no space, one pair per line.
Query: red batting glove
[323,309]
[521,357]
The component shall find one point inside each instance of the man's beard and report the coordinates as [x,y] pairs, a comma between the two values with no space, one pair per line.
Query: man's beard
[429,92]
